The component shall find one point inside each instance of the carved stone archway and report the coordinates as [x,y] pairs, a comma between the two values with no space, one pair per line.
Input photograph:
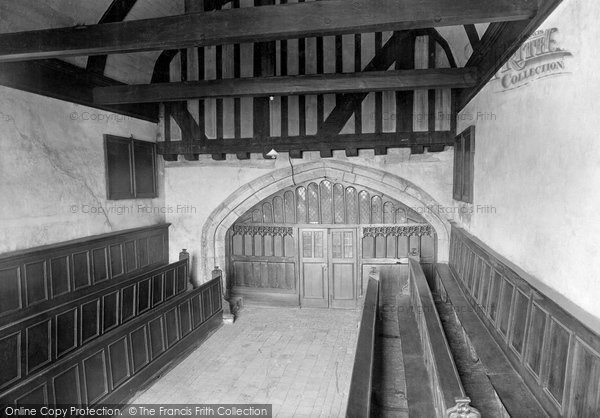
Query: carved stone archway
[213,238]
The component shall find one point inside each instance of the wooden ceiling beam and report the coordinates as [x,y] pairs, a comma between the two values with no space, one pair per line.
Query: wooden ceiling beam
[500,41]
[289,85]
[258,24]
[298,144]
[61,80]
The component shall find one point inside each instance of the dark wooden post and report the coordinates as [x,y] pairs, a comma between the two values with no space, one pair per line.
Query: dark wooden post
[184,255]
[227,315]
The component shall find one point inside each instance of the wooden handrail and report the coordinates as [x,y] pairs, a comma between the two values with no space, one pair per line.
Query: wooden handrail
[359,399]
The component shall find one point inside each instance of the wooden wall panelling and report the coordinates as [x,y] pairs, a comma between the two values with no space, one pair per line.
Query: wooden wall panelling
[110,310]
[38,278]
[157,338]
[89,312]
[36,289]
[99,265]
[53,334]
[10,354]
[60,276]
[128,302]
[116,260]
[185,317]
[111,368]
[549,347]
[555,375]
[140,355]
[11,296]
[38,345]
[118,361]
[157,289]
[130,256]
[95,378]
[584,398]
[535,339]
[67,387]
[144,294]
[171,327]
[519,321]
[37,396]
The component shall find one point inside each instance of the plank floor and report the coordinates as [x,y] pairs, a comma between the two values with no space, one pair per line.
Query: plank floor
[298,360]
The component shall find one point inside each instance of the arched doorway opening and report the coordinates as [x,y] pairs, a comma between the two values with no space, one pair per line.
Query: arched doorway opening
[213,239]
[314,244]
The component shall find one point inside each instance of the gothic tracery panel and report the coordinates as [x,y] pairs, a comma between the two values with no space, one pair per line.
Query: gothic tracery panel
[328,202]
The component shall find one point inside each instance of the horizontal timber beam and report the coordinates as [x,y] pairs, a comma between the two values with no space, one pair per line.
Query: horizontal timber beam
[64,81]
[298,144]
[367,81]
[258,24]
[498,44]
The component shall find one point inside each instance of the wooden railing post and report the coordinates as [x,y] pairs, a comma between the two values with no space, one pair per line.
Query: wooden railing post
[184,255]
[227,315]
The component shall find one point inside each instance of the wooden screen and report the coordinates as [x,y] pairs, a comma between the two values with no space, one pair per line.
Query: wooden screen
[264,242]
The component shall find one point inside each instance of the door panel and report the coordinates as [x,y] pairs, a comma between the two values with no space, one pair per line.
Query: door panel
[343,268]
[314,283]
[313,261]
[343,286]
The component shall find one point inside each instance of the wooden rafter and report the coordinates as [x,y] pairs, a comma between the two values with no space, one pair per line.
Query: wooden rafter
[500,41]
[258,24]
[472,35]
[351,143]
[116,12]
[289,85]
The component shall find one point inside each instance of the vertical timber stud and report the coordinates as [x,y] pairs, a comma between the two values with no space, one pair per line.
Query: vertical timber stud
[320,70]
[264,66]
[189,58]
[353,152]
[405,99]
[431,49]
[302,97]
[237,103]
[167,130]
[160,74]
[284,99]
[379,99]
[216,5]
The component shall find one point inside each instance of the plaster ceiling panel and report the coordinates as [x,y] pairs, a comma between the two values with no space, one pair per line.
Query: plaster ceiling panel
[21,15]
[134,68]
[146,9]
[459,43]
[137,67]
[481,28]
[77,61]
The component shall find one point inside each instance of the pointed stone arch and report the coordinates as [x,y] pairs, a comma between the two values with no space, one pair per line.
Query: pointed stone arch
[213,236]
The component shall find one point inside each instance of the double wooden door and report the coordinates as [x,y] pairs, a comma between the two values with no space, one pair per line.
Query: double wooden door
[328,267]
